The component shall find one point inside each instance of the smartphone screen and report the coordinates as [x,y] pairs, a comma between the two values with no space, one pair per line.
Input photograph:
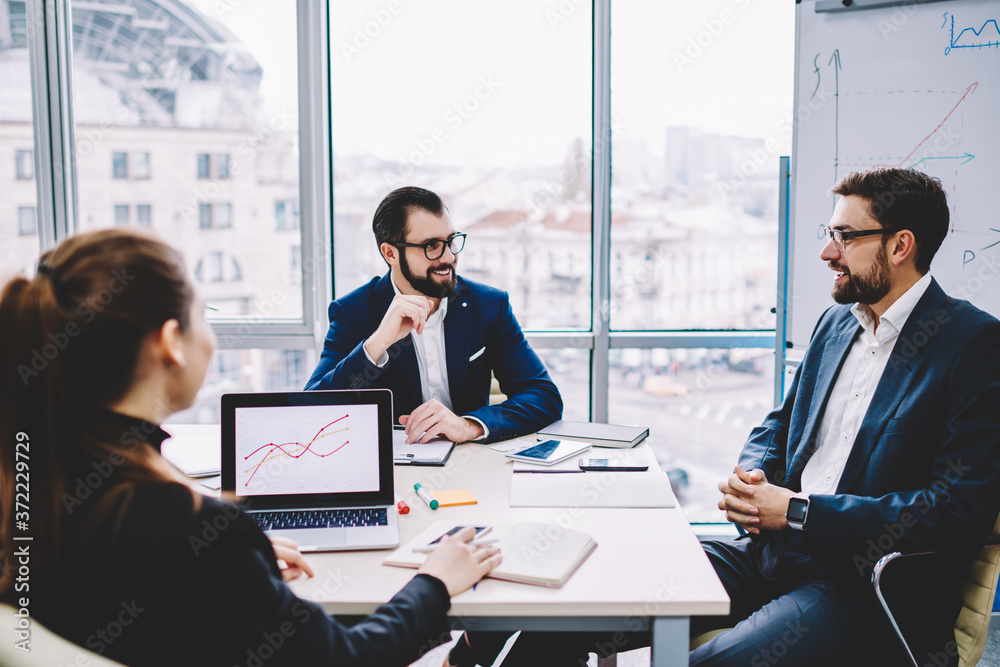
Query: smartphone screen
[480,531]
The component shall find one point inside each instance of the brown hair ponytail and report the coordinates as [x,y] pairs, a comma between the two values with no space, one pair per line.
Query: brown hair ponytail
[69,342]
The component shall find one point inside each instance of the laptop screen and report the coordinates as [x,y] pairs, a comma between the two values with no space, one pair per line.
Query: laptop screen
[296,449]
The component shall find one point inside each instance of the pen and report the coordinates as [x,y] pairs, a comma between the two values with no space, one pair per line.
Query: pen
[426,496]
[401,506]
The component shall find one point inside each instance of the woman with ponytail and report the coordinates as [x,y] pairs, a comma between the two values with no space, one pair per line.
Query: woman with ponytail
[107,340]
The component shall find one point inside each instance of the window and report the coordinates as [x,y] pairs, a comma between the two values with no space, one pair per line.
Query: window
[215,268]
[212,100]
[204,165]
[24,165]
[205,216]
[222,165]
[221,162]
[119,165]
[19,219]
[217,216]
[224,215]
[505,138]
[140,166]
[286,214]
[695,244]
[121,215]
[26,225]
[144,215]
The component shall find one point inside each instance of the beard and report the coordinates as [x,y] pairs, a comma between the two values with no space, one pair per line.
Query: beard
[427,285]
[867,288]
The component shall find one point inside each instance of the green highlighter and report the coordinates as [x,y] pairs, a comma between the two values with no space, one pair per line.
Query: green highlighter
[425,495]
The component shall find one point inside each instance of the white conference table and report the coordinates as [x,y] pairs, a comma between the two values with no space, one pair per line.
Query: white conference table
[648,571]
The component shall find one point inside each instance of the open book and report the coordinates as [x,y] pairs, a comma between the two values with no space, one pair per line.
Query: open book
[536,553]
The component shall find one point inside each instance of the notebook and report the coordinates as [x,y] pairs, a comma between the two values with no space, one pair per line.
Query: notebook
[193,449]
[600,435]
[313,466]
[533,553]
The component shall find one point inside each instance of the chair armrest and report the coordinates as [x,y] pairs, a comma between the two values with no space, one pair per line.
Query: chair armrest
[877,573]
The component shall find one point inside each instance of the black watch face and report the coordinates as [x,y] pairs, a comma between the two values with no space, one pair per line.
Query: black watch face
[796,510]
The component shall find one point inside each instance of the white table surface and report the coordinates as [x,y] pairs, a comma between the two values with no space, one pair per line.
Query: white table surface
[647,572]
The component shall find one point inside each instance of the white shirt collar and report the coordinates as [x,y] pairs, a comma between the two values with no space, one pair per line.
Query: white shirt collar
[895,316]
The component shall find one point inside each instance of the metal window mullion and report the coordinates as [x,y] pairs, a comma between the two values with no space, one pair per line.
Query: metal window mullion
[781,307]
[315,219]
[51,63]
[601,217]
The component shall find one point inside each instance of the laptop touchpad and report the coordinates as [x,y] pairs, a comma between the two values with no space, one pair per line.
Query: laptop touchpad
[309,539]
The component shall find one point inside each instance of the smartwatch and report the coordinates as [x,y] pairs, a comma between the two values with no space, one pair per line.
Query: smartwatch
[797,512]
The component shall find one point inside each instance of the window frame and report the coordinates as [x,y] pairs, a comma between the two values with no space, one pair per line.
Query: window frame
[49,39]
[50,54]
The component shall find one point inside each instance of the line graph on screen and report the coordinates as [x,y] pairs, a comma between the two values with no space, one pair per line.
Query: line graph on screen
[294,450]
[307,449]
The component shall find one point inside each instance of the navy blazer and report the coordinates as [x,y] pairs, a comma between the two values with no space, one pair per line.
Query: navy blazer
[479,323]
[924,472]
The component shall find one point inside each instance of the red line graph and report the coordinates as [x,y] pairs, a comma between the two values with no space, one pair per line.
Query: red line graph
[278,450]
[968,90]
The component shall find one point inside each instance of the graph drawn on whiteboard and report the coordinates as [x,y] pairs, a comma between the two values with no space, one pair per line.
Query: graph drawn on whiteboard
[937,110]
[881,88]
[307,449]
[986,37]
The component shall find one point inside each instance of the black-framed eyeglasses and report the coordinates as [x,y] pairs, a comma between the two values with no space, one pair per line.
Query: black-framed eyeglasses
[434,248]
[839,236]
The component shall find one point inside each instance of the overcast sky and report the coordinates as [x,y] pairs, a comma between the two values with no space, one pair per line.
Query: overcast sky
[520,73]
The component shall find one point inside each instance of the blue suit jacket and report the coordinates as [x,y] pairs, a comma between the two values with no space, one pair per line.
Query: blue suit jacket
[478,317]
[924,472]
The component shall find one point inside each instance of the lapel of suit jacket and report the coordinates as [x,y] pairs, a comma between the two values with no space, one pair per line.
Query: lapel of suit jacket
[904,362]
[401,352]
[834,351]
[457,334]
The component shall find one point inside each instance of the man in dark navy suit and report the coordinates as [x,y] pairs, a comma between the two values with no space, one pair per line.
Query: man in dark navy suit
[434,338]
[888,440]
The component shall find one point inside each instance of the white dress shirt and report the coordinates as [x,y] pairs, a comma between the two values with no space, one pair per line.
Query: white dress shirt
[854,387]
[432,360]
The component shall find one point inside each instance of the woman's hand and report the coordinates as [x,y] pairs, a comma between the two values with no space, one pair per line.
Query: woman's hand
[287,552]
[459,565]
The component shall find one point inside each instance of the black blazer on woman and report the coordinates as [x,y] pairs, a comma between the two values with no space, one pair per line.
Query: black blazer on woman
[178,587]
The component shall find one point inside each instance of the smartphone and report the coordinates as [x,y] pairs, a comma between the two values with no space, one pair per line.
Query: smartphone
[549,452]
[430,546]
[613,464]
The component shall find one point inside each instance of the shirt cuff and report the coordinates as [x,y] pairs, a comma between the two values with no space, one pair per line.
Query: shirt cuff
[382,361]
[486,430]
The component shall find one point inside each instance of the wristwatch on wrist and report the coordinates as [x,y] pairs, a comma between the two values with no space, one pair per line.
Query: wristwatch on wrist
[797,512]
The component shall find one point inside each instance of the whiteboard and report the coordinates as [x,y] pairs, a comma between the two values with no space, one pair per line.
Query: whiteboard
[916,85]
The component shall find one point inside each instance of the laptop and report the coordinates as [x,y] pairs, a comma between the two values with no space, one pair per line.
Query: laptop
[313,466]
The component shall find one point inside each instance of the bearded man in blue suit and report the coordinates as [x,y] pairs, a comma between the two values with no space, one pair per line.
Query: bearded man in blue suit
[888,440]
[434,338]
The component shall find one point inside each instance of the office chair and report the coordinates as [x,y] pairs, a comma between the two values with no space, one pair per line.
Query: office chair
[973,622]
[47,648]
